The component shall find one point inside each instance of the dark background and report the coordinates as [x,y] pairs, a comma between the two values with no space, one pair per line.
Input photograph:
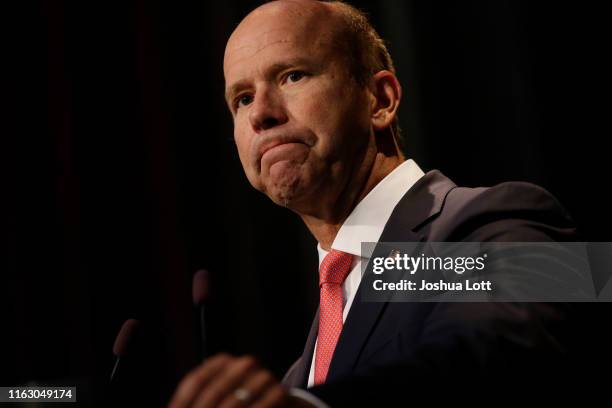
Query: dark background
[122,176]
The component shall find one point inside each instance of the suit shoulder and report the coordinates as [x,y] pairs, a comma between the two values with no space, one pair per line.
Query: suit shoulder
[515,209]
[510,196]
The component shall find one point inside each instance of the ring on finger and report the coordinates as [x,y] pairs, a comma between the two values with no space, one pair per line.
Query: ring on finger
[242,395]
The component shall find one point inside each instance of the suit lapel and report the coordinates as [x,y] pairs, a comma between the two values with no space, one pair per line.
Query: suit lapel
[298,375]
[423,201]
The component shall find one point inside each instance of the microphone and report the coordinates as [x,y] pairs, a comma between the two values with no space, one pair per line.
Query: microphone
[122,342]
[200,294]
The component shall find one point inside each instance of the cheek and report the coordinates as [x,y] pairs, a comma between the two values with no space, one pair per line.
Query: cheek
[335,114]
[319,109]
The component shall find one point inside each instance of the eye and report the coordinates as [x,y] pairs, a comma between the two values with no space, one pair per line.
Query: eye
[295,76]
[243,100]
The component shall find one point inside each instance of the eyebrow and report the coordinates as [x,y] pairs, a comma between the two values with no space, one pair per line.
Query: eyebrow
[272,70]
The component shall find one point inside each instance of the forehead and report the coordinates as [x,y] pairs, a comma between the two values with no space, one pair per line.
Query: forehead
[269,35]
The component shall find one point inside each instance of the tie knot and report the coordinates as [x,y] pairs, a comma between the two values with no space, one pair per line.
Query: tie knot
[335,267]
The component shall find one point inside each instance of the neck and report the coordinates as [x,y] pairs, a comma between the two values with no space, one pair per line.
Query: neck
[365,178]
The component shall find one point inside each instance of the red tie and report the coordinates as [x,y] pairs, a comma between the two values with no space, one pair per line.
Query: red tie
[334,269]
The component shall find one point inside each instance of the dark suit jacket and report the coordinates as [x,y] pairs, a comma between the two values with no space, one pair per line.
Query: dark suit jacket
[388,348]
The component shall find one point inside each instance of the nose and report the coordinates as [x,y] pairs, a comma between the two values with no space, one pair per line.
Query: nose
[267,110]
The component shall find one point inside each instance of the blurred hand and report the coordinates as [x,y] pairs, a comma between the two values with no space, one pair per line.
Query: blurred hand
[226,381]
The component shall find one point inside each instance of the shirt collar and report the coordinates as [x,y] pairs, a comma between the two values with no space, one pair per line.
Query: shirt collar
[368,219]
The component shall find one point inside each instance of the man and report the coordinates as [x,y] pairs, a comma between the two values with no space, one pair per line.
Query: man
[314,99]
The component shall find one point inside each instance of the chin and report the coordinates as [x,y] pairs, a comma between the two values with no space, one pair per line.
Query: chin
[290,193]
[284,183]
[285,194]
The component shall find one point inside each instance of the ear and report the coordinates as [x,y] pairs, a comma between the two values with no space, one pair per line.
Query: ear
[386,93]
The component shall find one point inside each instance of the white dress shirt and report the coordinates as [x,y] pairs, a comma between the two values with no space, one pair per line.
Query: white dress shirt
[366,224]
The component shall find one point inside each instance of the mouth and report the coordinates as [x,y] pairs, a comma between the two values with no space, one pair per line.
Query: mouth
[275,143]
[277,147]
[274,148]
[280,152]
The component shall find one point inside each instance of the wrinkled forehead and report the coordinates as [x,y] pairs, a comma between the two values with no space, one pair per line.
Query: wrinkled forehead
[279,31]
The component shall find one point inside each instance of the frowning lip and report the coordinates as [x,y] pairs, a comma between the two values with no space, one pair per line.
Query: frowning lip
[268,142]
[272,143]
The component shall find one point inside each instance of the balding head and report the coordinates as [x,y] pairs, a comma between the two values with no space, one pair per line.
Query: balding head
[300,21]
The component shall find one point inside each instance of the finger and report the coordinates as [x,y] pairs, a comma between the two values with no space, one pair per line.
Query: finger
[275,396]
[192,383]
[255,385]
[226,382]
